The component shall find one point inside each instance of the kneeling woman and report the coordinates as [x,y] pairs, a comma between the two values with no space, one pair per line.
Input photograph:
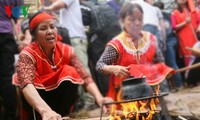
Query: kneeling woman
[48,73]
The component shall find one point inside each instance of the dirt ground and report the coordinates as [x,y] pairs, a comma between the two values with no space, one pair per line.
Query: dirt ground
[184,103]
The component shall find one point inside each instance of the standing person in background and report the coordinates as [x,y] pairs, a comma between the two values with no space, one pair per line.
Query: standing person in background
[185,23]
[161,26]
[198,6]
[198,14]
[71,18]
[8,48]
[171,47]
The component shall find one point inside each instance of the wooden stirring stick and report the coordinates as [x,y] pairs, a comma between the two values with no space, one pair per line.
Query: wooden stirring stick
[195,51]
[194,66]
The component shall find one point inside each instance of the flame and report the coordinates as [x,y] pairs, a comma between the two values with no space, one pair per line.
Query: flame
[137,110]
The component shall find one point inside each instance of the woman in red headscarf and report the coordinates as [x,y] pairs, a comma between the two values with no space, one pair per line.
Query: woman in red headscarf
[185,22]
[49,72]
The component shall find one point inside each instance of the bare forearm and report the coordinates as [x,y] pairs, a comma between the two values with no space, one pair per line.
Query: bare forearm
[177,26]
[34,99]
[94,91]
[108,69]
[57,5]
[181,25]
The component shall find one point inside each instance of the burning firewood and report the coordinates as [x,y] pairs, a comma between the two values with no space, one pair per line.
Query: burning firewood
[182,118]
[126,114]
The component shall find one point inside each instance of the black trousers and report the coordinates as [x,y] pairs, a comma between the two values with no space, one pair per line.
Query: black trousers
[8,48]
[193,77]
[60,99]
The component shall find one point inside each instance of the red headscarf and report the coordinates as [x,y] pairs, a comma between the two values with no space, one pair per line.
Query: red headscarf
[39,18]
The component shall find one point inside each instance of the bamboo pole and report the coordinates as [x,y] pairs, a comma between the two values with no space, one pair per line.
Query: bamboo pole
[195,51]
[194,66]
[66,118]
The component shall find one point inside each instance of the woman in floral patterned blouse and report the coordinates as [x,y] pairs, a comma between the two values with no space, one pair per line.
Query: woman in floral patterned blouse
[48,73]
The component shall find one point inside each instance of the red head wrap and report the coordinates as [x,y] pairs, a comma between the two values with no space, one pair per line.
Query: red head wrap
[38,18]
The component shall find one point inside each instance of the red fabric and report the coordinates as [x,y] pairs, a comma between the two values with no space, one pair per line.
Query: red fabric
[154,73]
[49,78]
[127,55]
[173,21]
[191,5]
[37,19]
[140,68]
[186,36]
[59,37]
[198,14]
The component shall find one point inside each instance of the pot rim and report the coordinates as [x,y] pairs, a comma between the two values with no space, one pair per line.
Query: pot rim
[133,80]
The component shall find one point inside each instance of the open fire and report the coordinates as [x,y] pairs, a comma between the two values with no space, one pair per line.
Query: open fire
[145,108]
[138,110]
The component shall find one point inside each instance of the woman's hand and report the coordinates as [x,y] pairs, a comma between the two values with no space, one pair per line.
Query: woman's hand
[51,115]
[188,19]
[104,100]
[121,71]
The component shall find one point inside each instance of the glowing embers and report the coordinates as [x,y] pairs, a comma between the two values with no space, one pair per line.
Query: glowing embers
[135,109]
[146,108]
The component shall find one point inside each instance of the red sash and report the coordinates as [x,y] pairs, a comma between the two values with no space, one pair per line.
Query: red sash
[154,73]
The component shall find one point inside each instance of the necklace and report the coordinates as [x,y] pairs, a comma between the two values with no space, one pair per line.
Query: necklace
[136,49]
[53,66]
[133,47]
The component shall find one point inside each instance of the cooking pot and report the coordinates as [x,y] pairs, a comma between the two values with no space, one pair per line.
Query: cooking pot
[135,88]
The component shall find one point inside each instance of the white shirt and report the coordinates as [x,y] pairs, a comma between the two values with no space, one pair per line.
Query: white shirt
[151,14]
[71,18]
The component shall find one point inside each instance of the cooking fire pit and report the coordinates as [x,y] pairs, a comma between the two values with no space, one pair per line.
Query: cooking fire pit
[137,101]
[150,112]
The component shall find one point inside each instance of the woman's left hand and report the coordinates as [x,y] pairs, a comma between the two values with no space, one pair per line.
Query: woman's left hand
[104,100]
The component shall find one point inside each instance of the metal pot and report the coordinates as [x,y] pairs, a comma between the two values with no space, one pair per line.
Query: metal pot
[135,88]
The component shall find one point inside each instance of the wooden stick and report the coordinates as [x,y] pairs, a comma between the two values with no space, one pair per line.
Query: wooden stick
[194,66]
[182,118]
[195,51]
[65,118]
[122,114]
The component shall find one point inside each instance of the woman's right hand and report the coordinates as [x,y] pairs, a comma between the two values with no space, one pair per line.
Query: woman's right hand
[121,71]
[51,115]
[188,19]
